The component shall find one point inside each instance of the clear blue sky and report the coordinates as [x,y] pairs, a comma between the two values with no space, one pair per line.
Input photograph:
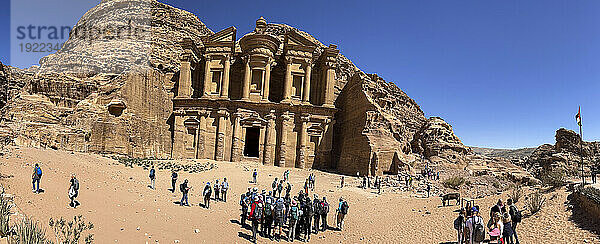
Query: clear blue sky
[505,74]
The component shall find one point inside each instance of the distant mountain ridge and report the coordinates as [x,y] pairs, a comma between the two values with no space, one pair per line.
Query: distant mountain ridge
[518,154]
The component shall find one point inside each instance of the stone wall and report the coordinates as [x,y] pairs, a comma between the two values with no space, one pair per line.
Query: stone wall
[588,199]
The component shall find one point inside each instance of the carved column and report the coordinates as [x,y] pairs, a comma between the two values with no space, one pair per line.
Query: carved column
[185,76]
[246,84]
[306,90]
[236,141]
[221,127]
[283,148]
[269,153]
[330,53]
[267,81]
[303,135]
[201,136]
[225,86]
[206,76]
[287,84]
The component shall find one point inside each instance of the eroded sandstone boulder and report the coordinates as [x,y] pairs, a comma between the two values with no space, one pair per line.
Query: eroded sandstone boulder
[436,140]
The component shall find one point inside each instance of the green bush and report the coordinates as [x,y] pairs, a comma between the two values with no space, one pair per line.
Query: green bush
[70,232]
[454,182]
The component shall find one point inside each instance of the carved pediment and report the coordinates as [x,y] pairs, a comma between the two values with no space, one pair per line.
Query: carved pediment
[222,41]
[294,39]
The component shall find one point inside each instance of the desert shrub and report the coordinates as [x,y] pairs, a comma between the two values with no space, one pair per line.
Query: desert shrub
[70,232]
[5,207]
[29,232]
[454,182]
[516,193]
[535,202]
[554,178]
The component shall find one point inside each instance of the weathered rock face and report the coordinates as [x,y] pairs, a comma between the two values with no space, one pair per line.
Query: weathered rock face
[436,141]
[120,35]
[564,155]
[375,125]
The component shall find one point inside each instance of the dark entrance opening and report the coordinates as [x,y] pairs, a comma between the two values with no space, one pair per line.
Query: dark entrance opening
[251,143]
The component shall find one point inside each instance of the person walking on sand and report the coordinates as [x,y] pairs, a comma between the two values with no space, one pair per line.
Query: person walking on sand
[279,188]
[341,212]
[73,191]
[207,192]
[152,177]
[184,188]
[244,203]
[173,180]
[342,182]
[217,190]
[278,214]
[36,177]
[254,176]
[516,218]
[224,188]
[317,208]
[428,190]
[459,226]
[324,212]
[295,212]
[256,211]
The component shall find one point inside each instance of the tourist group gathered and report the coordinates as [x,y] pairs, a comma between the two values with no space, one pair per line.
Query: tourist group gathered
[276,215]
[501,227]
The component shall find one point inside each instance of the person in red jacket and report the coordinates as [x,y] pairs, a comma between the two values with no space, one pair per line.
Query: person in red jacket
[256,211]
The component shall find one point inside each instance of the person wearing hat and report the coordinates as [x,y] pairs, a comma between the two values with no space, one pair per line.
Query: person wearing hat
[207,192]
[342,210]
[73,191]
[317,213]
[184,188]
[473,220]
[256,210]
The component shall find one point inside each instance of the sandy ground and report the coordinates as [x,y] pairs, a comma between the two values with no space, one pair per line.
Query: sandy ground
[118,201]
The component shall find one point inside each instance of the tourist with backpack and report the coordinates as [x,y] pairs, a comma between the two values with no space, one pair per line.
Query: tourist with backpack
[474,227]
[185,189]
[279,188]
[36,177]
[295,212]
[341,212]
[224,188]
[152,176]
[206,193]
[515,216]
[278,213]
[267,217]
[244,204]
[173,180]
[324,212]
[459,225]
[308,216]
[73,191]
[507,233]
[256,211]
[317,214]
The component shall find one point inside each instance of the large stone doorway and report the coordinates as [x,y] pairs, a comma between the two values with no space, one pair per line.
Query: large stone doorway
[252,142]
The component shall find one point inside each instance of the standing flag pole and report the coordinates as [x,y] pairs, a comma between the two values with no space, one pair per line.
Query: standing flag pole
[578,118]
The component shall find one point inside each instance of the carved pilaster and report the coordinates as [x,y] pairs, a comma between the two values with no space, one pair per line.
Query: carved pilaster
[201,135]
[265,95]
[225,86]
[236,148]
[246,83]
[206,90]
[185,75]
[302,137]
[330,56]
[269,153]
[285,130]
[221,127]
[287,85]
[306,89]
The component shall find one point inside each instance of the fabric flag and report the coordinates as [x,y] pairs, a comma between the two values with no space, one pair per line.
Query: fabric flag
[578,116]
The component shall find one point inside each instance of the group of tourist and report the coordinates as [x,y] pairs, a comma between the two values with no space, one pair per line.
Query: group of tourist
[430,174]
[72,191]
[271,215]
[501,228]
[377,183]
